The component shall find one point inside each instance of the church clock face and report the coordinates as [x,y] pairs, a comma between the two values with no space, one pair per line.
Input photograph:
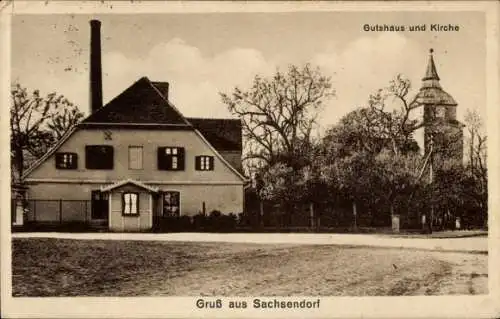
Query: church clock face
[440,112]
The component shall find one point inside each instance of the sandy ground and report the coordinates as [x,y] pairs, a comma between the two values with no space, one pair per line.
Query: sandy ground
[66,267]
[466,244]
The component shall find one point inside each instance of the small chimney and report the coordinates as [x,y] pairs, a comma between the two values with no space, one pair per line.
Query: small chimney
[95,66]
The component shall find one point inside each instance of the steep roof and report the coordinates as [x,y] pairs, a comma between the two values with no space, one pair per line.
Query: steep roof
[435,96]
[223,134]
[141,103]
[146,102]
[431,72]
[431,91]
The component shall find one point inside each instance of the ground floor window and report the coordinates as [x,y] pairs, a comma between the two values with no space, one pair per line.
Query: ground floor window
[130,204]
[171,203]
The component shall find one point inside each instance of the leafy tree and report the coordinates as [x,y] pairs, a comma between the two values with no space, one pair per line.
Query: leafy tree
[371,156]
[279,113]
[396,178]
[36,123]
[363,130]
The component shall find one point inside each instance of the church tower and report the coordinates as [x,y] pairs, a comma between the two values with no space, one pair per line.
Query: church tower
[442,131]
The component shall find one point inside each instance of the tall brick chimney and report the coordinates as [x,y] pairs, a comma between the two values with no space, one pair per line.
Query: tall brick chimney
[95,66]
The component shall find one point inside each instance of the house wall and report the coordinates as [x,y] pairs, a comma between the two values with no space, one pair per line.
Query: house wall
[220,189]
[150,140]
[225,198]
[121,223]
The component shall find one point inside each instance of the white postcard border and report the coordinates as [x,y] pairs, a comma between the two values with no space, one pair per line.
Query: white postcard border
[184,307]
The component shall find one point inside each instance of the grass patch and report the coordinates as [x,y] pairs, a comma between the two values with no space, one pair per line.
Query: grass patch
[66,267]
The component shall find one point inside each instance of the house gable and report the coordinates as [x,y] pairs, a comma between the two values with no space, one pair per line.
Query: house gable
[192,141]
[144,112]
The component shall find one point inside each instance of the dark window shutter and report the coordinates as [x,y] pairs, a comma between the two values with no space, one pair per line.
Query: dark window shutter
[74,163]
[161,158]
[89,159]
[109,156]
[197,163]
[99,157]
[136,211]
[123,203]
[180,160]
[59,160]
[211,163]
[168,159]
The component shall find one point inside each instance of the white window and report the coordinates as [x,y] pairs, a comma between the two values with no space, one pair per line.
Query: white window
[130,204]
[204,163]
[135,157]
[66,160]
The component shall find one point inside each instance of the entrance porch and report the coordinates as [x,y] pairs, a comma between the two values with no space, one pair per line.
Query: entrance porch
[130,206]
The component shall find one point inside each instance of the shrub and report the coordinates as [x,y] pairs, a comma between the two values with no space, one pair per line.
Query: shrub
[218,222]
[215,214]
[174,224]
[249,219]
[199,221]
[214,222]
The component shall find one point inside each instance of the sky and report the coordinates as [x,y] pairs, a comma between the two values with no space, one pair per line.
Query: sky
[202,54]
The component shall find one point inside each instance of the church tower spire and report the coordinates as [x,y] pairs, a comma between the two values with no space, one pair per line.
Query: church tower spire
[441,128]
[431,78]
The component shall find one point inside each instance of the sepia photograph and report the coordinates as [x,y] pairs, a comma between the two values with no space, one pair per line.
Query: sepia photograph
[287,155]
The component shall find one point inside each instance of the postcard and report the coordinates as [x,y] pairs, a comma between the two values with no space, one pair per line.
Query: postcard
[250,159]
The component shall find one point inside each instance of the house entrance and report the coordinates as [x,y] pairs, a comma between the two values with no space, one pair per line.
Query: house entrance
[100,205]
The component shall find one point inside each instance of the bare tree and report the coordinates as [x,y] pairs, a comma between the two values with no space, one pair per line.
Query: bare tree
[60,123]
[477,156]
[397,125]
[476,143]
[36,123]
[279,113]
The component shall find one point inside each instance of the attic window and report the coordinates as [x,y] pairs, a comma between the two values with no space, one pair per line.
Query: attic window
[171,158]
[204,163]
[66,160]
[99,156]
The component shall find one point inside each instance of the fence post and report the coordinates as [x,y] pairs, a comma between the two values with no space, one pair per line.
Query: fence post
[86,215]
[311,212]
[60,211]
[261,207]
[34,210]
[355,214]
